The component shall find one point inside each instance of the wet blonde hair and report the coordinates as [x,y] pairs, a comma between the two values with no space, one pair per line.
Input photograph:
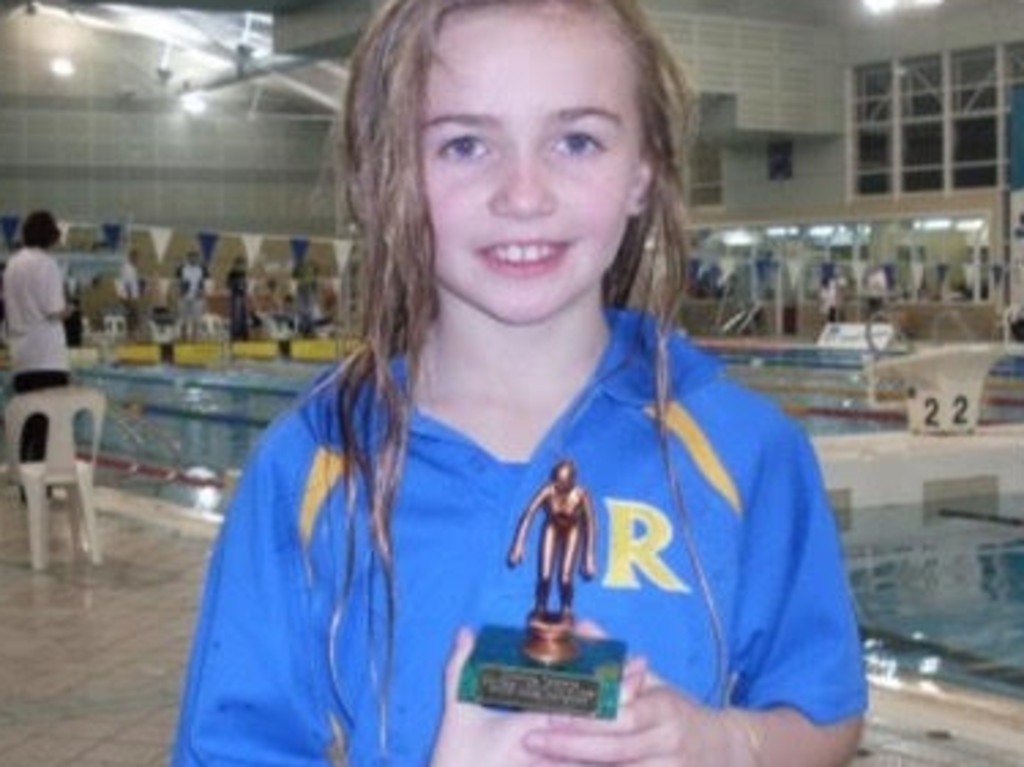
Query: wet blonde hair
[382,167]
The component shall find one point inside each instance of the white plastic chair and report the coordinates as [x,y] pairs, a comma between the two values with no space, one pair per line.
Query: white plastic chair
[115,326]
[212,327]
[164,332]
[61,465]
[278,327]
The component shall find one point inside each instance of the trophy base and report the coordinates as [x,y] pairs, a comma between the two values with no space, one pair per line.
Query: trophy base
[500,674]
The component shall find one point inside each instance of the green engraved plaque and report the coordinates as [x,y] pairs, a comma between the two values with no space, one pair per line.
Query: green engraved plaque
[499,674]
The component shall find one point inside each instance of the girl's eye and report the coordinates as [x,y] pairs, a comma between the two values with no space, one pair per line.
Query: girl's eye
[578,144]
[462,148]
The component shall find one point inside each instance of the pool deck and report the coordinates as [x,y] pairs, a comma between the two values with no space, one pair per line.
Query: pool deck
[899,468]
[91,657]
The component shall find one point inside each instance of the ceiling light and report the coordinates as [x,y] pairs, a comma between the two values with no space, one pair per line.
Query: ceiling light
[970,225]
[880,6]
[933,225]
[738,238]
[62,67]
[193,103]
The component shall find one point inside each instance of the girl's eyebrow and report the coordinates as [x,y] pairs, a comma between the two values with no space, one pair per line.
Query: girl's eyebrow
[472,120]
[582,113]
[461,120]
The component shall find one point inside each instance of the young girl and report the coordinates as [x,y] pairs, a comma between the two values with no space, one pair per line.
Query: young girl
[516,169]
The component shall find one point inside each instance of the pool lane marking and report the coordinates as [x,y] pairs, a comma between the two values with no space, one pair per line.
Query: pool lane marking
[157,472]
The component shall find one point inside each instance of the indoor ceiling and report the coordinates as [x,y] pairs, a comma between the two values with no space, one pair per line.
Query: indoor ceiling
[259,55]
[259,6]
[213,49]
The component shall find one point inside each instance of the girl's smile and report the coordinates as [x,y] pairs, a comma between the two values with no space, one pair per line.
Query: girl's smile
[530,259]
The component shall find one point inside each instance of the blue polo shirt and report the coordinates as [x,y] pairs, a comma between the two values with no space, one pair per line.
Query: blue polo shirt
[737,596]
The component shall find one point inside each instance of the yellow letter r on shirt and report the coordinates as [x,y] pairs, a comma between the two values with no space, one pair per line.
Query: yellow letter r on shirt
[637,534]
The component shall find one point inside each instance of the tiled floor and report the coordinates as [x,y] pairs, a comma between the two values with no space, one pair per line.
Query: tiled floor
[91,657]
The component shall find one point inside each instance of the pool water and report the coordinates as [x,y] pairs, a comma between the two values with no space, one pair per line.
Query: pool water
[170,431]
[946,601]
[938,597]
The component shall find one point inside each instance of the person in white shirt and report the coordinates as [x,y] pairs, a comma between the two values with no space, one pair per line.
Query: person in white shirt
[877,287]
[830,299]
[131,292]
[191,292]
[36,307]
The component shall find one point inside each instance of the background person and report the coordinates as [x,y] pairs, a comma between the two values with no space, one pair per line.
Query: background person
[131,293]
[831,299]
[192,276]
[36,308]
[306,309]
[238,299]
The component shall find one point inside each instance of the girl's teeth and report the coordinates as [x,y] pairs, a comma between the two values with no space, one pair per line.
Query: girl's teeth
[521,253]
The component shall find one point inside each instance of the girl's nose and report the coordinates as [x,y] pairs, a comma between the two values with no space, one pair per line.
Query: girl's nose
[524,189]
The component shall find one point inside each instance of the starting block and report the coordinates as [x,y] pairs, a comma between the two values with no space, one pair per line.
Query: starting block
[944,385]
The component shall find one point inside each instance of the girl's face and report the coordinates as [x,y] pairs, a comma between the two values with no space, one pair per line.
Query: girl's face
[532,161]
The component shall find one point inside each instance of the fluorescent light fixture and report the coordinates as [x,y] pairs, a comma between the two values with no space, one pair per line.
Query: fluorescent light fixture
[159,26]
[777,232]
[880,6]
[62,66]
[738,238]
[933,225]
[842,236]
[821,232]
[193,103]
[970,225]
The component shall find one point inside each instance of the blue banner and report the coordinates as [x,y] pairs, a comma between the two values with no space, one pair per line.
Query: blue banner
[10,224]
[300,246]
[693,271]
[112,236]
[207,244]
[764,266]
[1016,223]
[828,272]
[890,275]
[1017,140]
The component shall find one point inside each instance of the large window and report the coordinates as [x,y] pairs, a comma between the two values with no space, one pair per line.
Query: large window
[1014,68]
[874,110]
[975,118]
[921,123]
[934,123]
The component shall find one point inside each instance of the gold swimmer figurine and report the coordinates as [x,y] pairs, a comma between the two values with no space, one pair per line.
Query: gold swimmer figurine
[569,531]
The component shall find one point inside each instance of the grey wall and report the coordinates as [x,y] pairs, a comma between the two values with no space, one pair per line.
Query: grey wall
[818,181]
[110,145]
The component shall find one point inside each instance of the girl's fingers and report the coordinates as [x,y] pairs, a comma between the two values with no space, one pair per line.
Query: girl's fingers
[589,630]
[634,677]
[461,649]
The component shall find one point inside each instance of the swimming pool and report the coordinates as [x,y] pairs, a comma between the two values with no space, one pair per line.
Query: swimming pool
[172,428]
[942,600]
[171,431]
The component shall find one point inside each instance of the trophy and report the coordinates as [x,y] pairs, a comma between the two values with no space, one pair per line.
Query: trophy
[546,667]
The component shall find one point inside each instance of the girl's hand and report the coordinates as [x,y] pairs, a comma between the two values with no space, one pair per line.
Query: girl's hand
[656,726]
[472,735]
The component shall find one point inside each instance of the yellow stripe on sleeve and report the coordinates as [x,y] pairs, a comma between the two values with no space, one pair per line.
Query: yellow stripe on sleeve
[683,425]
[328,467]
